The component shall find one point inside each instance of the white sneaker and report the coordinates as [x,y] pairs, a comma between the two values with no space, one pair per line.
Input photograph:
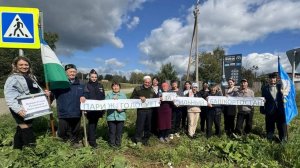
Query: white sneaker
[171,136]
[177,135]
[167,140]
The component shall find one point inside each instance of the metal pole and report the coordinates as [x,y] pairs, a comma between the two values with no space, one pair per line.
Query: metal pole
[293,67]
[196,12]
[21,53]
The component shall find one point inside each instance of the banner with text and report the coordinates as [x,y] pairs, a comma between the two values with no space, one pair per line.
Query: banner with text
[224,100]
[169,96]
[190,101]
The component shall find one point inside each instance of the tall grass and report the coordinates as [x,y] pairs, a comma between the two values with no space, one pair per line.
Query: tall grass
[244,151]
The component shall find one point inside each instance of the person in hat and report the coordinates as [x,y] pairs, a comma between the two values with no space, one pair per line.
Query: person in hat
[95,91]
[274,109]
[68,107]
[245,113]
[193,112]
[144,115]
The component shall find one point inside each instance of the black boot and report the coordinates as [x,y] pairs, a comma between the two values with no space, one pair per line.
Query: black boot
[18,143]
[28,137]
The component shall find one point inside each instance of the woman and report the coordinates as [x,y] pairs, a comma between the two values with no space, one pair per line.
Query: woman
[21,82]
[193,112]
[186,91]
[176,111]
[93,90]
[203,115]
[164,116]
[230,110]
[115,117]
[157,90]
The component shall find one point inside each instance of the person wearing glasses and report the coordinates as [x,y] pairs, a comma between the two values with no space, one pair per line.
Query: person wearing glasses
[68,107]
[143,120]
[21,82]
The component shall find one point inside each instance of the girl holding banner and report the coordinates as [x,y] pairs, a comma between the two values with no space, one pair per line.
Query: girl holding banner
[21,82]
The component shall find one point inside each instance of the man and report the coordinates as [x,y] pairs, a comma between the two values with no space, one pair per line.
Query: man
[143,120]
[68,107]
[274,109]
[245,113]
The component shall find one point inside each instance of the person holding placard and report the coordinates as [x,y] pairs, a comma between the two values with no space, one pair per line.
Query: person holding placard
[214,114]
[115,117]
[164,116]
[176,112]
[245,113]
[203,115]
[21,82]
[193,112]
[157,89]
[144,115]
[186,90]
[95,91]
[230,110]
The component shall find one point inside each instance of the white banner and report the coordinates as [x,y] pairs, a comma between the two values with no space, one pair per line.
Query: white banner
[119,104]
[169,96]
[224,100]
[35,106]
[190,101]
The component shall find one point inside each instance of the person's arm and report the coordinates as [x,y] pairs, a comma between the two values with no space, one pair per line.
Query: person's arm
[11,93]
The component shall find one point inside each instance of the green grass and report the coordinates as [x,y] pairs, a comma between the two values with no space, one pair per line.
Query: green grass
[245,151]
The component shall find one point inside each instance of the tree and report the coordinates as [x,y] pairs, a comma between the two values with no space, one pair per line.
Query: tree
[136,77]
[7,56]
[210,65]
[167,72]
[108,77]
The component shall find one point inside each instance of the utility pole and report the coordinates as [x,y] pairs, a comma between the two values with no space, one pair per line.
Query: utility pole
[194,45]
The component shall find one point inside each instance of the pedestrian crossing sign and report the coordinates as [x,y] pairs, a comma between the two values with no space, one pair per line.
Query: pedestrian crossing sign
[19,27]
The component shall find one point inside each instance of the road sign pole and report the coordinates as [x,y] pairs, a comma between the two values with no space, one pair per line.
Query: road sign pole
[294,67]
[21,52]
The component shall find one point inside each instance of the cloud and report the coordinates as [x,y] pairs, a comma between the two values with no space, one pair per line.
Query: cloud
[82,25]
[221,23]
[267,62]
[114,63]
[134,22]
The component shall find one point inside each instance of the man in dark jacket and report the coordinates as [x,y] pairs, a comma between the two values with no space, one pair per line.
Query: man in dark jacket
[274,108]
[68,107]
[143,120]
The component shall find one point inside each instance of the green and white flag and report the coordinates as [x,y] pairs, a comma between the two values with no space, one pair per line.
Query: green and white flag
[55,74]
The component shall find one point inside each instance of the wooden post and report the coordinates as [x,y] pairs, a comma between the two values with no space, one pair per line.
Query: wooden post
[51,115]
[84,129]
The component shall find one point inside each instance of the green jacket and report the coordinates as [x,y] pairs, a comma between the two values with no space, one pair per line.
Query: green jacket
[113,114]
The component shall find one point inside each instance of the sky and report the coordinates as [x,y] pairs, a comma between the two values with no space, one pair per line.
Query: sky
[124,36]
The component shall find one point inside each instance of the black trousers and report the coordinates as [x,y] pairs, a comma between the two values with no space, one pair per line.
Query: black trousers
[69,129]
[184,124]
[203,118]
[229,118]
[115,130]
[176,119]
[143,125]
[154,129]
[24,137]
[213,117]
[279,120]
[242,117]
[93,118]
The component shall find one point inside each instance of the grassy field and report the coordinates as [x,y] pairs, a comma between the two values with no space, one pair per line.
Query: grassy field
[245,151]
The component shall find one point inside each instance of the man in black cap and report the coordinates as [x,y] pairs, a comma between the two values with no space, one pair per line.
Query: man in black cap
[68,107]
[245,113]
[274,108]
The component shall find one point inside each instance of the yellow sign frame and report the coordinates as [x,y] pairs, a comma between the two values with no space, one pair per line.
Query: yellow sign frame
[20,10]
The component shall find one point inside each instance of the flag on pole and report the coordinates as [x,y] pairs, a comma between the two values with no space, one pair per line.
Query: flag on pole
[289,94]
[55,74]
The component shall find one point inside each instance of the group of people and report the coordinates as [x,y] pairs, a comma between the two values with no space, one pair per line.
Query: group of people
[166,121]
